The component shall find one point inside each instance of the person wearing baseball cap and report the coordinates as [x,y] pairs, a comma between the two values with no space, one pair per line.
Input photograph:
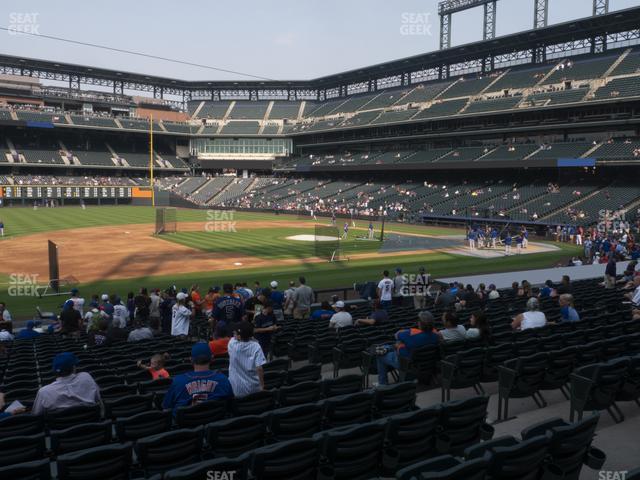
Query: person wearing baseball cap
[200,385]
[70,389]
[181,316]
[341,318]
[78,301]
[70,319]
[277,301]
[28,332]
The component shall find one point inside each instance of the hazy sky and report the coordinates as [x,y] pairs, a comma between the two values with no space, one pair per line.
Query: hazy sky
[277,39]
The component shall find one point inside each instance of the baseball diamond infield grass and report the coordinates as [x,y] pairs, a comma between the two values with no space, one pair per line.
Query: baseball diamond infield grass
[263,242]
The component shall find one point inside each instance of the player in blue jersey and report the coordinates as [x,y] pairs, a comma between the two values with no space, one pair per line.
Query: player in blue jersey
[200,385]
[507,243]
[494,237]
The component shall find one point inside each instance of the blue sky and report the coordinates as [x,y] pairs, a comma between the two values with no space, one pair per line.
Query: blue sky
[277,39]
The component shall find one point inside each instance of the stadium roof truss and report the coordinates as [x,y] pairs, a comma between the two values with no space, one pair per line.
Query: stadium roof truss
[591,34]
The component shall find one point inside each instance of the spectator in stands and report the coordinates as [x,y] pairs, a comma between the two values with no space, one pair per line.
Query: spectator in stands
[479,327]
[142,303]
[181,316]
[399,282]
[78,301]
[568,312]
[99,337]
[277,301]
[493,292]
[131,304]
[209,301]
[154,305]
[121,317]
[288,298]
[610,273]
[166,309]
[5,335]
[196,299]
[379,316]
[228,308]
[28,332]
[106,307]
[548,290]
[139,332]
[385,290]
[245,362]
[200,385]
[341,318]
[406,342]
[325,312]
[155,368]
[468,298]
[70,389]
[445,297]
[565,285]
[532,318]
[70,319]
[220,340]
[420,285]
[452,332]
[265,326]
[4,413]
[302,300]
[254,304]
[5,316]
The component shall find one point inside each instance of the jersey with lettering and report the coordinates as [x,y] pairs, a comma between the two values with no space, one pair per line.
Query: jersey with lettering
[192,388]
[228,309]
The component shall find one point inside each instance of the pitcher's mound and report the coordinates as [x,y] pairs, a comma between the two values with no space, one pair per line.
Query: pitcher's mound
[312,238]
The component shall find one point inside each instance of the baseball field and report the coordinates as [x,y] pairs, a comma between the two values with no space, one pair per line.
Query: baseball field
[114,250]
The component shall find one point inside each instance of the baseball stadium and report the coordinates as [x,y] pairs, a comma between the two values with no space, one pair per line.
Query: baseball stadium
[417,268]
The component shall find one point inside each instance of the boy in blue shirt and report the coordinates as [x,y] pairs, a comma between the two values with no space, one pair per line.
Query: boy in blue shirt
[198,386]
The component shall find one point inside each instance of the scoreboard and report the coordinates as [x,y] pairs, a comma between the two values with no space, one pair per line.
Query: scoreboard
[37,192]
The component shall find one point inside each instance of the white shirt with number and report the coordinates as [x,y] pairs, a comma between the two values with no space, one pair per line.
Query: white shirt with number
[386,289]
[180,319]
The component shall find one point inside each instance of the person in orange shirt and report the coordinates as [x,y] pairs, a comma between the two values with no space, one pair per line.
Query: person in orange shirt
[220,341]
[156,366]
[210,299]
[196,298]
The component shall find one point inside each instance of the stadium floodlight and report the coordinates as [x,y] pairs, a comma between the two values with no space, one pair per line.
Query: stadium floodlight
[448,7]
[540,13]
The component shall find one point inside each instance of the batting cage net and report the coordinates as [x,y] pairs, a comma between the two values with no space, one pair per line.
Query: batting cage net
[327,242]
[166,220]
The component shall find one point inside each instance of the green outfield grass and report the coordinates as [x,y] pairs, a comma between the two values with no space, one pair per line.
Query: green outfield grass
[263,243]
[270,243]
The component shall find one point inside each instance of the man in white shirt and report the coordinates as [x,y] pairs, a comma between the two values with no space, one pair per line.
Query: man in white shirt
[245,362]
[180,316]
[70,389]
[120,314]
[78,301]
[340,318]
[385,290]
